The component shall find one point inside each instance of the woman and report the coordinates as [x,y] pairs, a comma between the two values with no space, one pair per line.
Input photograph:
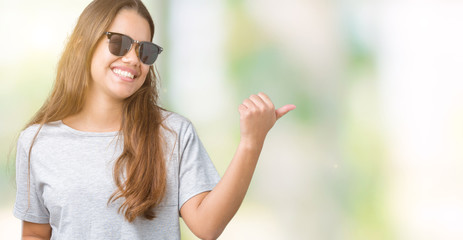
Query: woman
[101,159]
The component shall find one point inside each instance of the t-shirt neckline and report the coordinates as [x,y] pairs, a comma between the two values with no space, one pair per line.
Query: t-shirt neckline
[84,133]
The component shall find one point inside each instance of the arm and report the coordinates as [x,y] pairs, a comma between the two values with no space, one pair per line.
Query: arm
[207,214]
[36,231]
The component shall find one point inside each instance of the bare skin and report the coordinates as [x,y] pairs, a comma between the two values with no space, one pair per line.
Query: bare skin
[35,231]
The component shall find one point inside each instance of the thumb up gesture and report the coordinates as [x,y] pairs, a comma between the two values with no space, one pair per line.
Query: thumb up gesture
[258,115]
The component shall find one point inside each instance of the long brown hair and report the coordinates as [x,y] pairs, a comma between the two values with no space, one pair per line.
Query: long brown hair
[142,159]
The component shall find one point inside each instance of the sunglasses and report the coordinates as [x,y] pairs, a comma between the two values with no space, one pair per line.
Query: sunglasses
[120,44]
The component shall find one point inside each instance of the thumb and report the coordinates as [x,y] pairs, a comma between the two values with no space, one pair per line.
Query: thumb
[280,112]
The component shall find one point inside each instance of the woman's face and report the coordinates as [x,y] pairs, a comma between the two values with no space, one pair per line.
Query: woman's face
[105,81]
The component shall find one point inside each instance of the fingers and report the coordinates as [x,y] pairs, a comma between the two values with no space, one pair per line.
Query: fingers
[242,108]
[248,104]
[261,100]
[257,102]
[280,112]
[266,99]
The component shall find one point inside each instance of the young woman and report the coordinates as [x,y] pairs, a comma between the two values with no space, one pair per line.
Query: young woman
[101,159]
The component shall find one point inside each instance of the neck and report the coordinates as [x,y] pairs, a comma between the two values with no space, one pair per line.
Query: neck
[100,114]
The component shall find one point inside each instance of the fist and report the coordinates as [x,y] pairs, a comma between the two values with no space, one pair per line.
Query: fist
[258,115]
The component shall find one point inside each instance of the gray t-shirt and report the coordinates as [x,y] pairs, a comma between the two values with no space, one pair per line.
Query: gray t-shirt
[72,180]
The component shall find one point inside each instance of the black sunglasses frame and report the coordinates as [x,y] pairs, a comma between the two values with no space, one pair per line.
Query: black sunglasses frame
[139,43]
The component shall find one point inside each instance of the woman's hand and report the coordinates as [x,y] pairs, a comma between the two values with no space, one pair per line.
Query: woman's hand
[208,213]
[258,115]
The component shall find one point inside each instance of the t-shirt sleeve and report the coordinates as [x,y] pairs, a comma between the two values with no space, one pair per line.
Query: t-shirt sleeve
[197,173]
[27,208]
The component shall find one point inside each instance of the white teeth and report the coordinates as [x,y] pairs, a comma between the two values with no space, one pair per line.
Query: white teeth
[123,73]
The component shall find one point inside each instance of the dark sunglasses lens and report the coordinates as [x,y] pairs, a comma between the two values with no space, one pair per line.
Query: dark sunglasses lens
[148,53]
[119,45]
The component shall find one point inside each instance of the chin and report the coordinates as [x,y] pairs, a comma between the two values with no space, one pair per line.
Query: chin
[122,94]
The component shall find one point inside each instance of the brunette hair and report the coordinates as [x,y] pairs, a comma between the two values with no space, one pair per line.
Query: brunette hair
[140,171]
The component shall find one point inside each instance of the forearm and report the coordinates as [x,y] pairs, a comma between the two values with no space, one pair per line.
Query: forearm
[35,231]
[33,238]
[207,214]
[221,204]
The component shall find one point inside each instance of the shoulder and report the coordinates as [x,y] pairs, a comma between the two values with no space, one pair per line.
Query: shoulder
[28,134]
[175,121]
[178,127]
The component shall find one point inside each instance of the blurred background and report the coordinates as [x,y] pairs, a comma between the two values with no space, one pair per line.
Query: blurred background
[374,148]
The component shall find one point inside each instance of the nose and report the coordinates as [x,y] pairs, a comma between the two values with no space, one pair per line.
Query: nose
[132,56]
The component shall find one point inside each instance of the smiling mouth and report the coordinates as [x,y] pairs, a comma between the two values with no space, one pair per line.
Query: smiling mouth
[123,73]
